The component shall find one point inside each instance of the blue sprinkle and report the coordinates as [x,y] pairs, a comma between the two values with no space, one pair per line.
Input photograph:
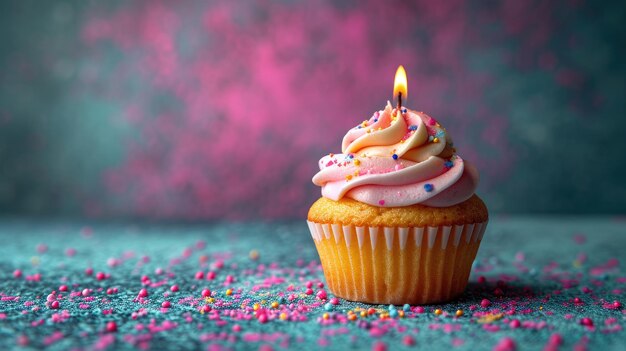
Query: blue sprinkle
[358,127]
[413,127]
[430,138]
[448,164]
[440,134]
[392,308]
[406,307]
[375,120]
[328,306]
[428,187]
[394,156]
[393,313]
[404,110]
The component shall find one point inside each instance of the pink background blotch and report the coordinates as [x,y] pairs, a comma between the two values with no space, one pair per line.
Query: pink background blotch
[222,109]
[265,90]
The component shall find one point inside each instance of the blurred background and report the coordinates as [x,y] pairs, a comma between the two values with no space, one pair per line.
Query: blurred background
[192,110]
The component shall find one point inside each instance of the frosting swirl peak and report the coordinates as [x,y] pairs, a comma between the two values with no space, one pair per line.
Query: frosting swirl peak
[397,158]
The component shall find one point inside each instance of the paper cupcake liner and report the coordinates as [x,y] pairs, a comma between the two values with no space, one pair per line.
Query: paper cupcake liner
[415,265]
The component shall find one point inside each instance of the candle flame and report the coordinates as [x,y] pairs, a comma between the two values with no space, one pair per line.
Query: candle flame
[400,85]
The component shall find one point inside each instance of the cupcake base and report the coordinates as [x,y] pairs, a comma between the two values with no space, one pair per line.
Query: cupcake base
[395,265]
[396,255]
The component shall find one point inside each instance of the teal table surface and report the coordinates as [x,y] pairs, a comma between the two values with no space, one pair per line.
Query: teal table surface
[538,283]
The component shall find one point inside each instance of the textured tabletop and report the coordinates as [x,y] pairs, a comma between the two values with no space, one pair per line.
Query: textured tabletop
[537,283]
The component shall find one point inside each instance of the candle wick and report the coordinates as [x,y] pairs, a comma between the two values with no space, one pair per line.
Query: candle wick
[399,101]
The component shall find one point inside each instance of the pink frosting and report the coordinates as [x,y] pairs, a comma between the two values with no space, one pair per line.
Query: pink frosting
[397,159]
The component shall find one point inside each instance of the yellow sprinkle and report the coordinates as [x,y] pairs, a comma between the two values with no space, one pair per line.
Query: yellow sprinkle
[435,140]
[541,308]
[211,300]
[256,307]
[384,315]
[401,314]
[349,177]
[357,162]
[283,316]
[274,304]
[229,292]
[352,317]
[489,318]
[325,316]
[459,313]
[254,255]
[363,314]
[369,131]
[438,312]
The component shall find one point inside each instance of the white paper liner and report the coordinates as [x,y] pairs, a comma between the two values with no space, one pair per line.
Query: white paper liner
[397,265]
[450,235]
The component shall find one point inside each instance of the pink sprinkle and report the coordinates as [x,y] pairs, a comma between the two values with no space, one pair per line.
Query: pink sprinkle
[381,202]
[89,271]
[54,305]
[143,293]
[309,284]
[321,295]
[334,301]
[262,318]
[166,304]
[419,309]
[309,291]
[17,273]
[588,322]
[113,262]
[206,293]
[555,339]
[408,340]
[86,292]
[482,279]
[617,304]
[320,285]
[236,328]
[51,297]
[485,303]
[199,275]
[515,324]
[206,308]
[379,346]
[100,276]
[506,344]
[111,327]
[63,288]
[70,252]
[158,271]
[174,288]
[210,275]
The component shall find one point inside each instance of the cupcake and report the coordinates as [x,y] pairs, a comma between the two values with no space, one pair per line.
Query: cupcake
[398,221]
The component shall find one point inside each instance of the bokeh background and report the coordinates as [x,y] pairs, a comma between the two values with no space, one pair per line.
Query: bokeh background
[191,110]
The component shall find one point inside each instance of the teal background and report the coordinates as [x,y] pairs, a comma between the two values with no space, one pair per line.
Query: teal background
[537,100]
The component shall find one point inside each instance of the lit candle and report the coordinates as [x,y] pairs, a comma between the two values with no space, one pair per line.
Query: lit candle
[400,86]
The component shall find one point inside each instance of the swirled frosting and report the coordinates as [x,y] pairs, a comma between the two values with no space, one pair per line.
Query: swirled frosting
[397,158]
